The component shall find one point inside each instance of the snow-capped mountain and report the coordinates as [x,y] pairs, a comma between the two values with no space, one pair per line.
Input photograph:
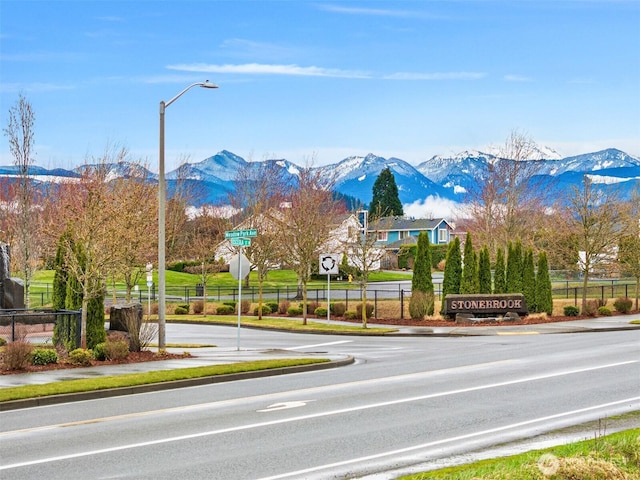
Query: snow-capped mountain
[355,176]
[448,178]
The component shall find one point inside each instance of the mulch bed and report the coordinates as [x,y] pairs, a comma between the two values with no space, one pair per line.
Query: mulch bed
[133,357]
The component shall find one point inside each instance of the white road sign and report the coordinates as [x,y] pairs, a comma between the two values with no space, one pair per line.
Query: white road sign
[239,268]
[330,263]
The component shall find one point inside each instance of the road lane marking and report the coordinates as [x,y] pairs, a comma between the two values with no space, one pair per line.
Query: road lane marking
[285,406]
[319,345]
[327,414]
[459,438]
[517,333]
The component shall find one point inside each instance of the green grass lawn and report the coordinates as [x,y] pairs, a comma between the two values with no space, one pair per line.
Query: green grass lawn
[133,379]
[296,325]
[610,457]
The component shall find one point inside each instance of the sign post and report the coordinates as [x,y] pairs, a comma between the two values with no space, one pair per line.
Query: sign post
[329,265]
[240,239]
[149,284]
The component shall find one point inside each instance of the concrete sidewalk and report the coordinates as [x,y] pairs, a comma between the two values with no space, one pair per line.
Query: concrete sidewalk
[217,355]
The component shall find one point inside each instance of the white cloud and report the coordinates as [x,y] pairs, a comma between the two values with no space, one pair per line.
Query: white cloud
[431,207]
[267,69]
[436,76]
[517,78]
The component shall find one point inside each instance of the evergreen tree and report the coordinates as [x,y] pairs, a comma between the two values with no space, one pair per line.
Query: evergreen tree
[385,201]
[95,322]
[529,281]
[500,281]
[514,268]
[452,271]
[544,295]
[421,305]
[469,276]
[484,271]
[59,295]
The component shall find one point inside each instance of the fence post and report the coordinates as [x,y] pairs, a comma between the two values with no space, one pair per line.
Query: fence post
[346,299]
[401,304]
[375,304]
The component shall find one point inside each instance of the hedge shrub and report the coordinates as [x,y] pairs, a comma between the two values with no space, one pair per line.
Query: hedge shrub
[623,305]
[338,309]
[320,312]
[571,311]
[266,310]
[225,310]
[604,311]
[180,310]
[294,311]
[80,357]
[44,356]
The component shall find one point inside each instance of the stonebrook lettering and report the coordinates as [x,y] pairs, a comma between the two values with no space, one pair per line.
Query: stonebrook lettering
[485,304]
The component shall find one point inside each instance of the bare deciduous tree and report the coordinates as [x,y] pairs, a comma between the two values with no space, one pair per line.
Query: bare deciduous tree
[19,132]
[506,204]
[306,225]
[594,217]
[258,193]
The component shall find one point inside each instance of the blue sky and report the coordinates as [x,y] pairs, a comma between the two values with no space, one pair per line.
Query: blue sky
[317,81]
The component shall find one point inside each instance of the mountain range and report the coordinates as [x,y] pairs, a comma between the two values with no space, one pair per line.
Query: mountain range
[440,177]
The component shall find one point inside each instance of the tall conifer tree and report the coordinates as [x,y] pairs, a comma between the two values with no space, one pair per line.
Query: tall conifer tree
[469,276]
[529,281]
[385,201]
[484,271]
[422,295]
[452,271]
[514,268]
[544,294]
[500,280]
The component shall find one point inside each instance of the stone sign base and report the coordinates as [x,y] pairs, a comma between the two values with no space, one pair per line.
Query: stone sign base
[485,306]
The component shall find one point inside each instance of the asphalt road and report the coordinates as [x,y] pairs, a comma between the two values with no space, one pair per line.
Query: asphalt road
[405,401]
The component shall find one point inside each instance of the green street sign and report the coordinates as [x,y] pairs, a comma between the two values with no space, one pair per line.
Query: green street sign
[251,232]
[241,242]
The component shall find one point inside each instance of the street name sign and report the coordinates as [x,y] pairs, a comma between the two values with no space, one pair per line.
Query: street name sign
[250,232]
[241,242]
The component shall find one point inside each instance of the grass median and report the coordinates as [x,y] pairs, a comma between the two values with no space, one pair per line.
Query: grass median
[278,323]
[134,379]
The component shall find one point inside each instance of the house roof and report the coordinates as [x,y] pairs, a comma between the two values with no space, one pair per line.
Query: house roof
[386,224]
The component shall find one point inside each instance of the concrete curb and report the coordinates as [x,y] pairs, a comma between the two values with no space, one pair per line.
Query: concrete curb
[155,387]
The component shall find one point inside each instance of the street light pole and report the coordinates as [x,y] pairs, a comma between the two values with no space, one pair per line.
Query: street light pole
[162,202]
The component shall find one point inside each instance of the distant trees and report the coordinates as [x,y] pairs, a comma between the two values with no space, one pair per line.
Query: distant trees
[385,201]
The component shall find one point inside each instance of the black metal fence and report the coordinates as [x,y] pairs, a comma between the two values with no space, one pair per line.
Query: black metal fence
[399,291]
[37,325]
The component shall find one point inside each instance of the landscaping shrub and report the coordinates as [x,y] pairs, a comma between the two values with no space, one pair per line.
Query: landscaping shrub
[592,308]
[623,305]
[320,312]
[273,306]
[311,307]
[180,310]
[420,304]
[99,352]
[294,311]
[337,309]
[117,349]
[571,311]
[369,310]
[604,311]
[3,341]
[245,306]
[80,357]
[44,356]
[17,355]
[266,310]
[231,303]
[283,307]
[183,306]
[225,310]
[198,307]
[351,315]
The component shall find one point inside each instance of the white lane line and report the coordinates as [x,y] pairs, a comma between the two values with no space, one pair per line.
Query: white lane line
[319,345]
[459,438]
[317,415]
